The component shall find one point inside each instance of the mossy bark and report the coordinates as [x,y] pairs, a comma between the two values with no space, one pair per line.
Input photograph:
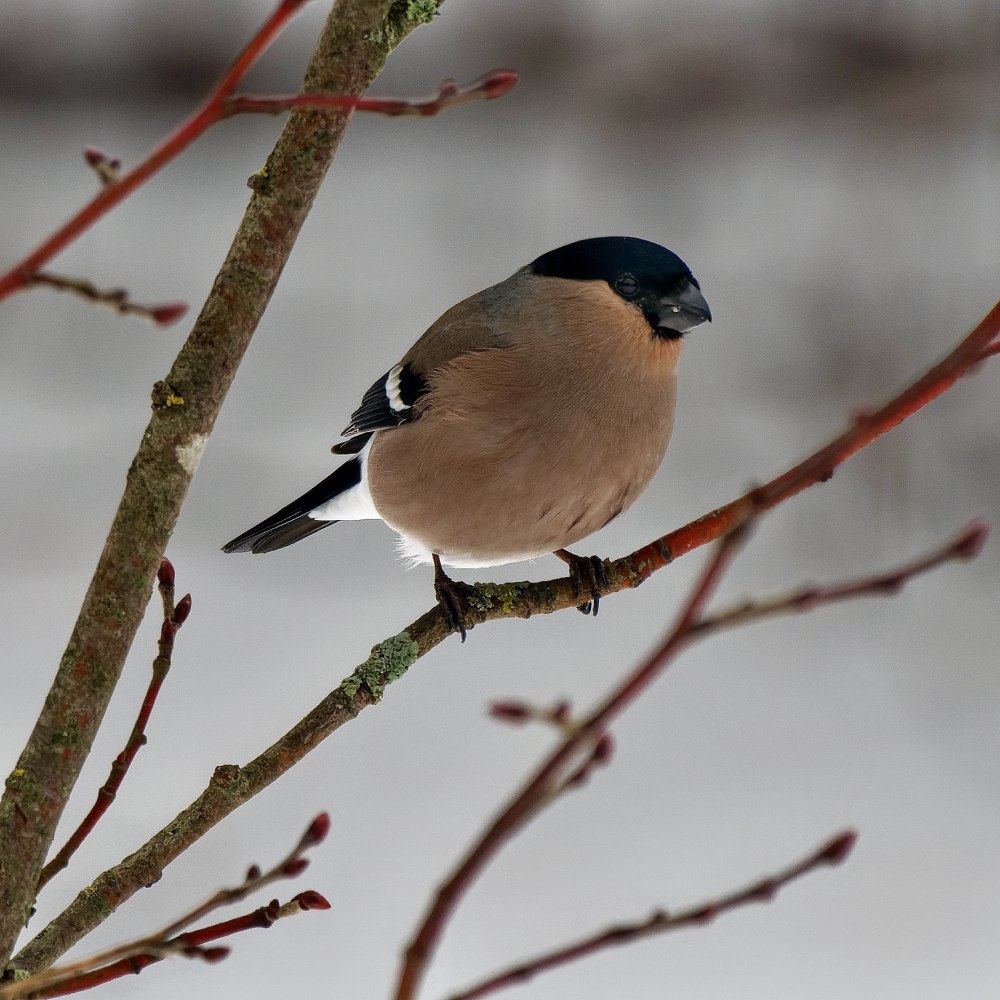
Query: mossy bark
[356,39]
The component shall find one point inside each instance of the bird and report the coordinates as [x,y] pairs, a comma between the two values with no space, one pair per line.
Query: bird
[527,417]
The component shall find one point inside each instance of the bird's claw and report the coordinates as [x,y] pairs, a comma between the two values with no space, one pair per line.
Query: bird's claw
[588,574]
[454,597]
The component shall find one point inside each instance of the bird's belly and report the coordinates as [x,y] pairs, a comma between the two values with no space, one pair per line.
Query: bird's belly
[475,508]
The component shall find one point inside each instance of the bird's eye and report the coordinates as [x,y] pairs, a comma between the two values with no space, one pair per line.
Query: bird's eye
[626,285]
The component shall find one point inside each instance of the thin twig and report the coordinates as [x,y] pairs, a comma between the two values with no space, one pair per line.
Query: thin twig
[350,51]
[833,852]
[536,791]
[166,941]
[113,193]
[174,616]
[966,545]
[495,83]
[390,659]
[114,298]
[191,944]
[557,772]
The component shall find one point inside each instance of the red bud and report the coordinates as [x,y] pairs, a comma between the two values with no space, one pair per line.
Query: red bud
[94,156]
[316,832]
[311,900]
[165,574]
[510,711]
[497,82]
[604,750]
[213,955]
[168,313]
[969,544]
[294,866]
[253,873]
[838,849]
[181,610]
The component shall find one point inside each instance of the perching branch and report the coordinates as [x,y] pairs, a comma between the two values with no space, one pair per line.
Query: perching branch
[232,786]
[122,959]
[834,852]
[174,616]
[354,43]
[561,764]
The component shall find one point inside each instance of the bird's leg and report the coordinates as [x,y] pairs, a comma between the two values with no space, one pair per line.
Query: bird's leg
[453,596]
[588,575]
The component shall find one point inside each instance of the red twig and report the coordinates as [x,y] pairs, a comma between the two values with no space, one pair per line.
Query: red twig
[111,194]
[691,624]
[222,104]
[450,94]
[135,955]
[979,345]
[192,943]
[174,616]
[559,771]
[966,545]
[834,852]
[114,298]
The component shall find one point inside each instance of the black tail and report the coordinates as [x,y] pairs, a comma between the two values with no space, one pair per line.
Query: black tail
[293,521]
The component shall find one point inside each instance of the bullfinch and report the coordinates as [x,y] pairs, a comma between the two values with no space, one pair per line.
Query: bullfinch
[527,417]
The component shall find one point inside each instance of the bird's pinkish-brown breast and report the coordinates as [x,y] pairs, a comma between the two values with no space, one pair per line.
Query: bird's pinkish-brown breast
[522,449]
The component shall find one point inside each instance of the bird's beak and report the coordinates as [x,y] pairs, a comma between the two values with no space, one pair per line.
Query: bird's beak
[683,310]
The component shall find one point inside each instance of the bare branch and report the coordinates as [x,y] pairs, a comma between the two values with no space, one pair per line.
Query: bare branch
[114,298]
[351,50]
[166,941]
[833,852]
[113,192]
[174,616]
[495,83]
[390,659]
[563,768]
[540,789]
[966,545]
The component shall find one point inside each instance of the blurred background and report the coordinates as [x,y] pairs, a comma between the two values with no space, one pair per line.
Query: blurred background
[831,175]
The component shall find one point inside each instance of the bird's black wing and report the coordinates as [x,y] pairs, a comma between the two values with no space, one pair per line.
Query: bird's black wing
[389,402]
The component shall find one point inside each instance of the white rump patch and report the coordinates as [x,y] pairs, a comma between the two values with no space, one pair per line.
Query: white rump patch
[355,504]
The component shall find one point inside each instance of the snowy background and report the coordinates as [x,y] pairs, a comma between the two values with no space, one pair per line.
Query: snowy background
[832,180]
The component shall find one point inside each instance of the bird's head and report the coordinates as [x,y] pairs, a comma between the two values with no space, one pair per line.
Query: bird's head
[650,277]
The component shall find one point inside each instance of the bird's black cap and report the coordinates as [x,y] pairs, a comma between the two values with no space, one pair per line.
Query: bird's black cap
[608,258]
[650,277]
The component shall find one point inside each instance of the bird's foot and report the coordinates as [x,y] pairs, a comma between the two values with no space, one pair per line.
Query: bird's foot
[454,597]
[588,575]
